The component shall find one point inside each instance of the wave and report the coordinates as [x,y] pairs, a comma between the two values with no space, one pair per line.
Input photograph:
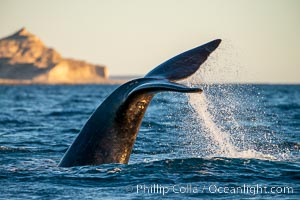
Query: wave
[5,149]
[65,113]
[286,107]
[9,149]
[16,122]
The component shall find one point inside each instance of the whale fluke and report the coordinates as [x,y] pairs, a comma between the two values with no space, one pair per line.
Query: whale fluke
[184,64]
[110,132]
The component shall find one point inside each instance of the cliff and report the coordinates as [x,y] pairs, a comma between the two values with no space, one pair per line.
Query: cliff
[25,59]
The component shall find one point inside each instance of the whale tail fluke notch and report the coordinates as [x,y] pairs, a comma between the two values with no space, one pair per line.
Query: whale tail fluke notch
[184,64]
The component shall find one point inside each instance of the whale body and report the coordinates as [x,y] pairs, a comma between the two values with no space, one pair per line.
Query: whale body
[109,134]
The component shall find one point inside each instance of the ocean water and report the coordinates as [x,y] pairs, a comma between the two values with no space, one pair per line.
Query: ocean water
[230,142]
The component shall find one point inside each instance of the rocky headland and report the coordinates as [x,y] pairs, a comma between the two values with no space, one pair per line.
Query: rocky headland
[24,59]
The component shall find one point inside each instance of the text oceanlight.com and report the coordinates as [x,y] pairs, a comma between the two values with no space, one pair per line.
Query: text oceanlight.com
[208,189]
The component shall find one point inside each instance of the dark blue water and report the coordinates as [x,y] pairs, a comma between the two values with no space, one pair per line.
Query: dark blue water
[176,155]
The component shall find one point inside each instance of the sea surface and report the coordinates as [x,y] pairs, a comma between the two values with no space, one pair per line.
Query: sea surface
[230,142]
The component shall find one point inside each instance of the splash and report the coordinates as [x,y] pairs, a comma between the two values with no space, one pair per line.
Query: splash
[216,135]
[215,124]
[222,141]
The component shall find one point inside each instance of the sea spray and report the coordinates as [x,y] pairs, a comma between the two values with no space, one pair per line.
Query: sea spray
[218,126]
[218,137]
[225,143]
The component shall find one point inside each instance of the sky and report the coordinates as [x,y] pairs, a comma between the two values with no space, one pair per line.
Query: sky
[260,37]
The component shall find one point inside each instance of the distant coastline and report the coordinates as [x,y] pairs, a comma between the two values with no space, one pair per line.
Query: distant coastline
[124,77]
[24,59]
[30,82]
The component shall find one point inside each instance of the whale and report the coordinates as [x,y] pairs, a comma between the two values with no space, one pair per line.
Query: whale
[109,134]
